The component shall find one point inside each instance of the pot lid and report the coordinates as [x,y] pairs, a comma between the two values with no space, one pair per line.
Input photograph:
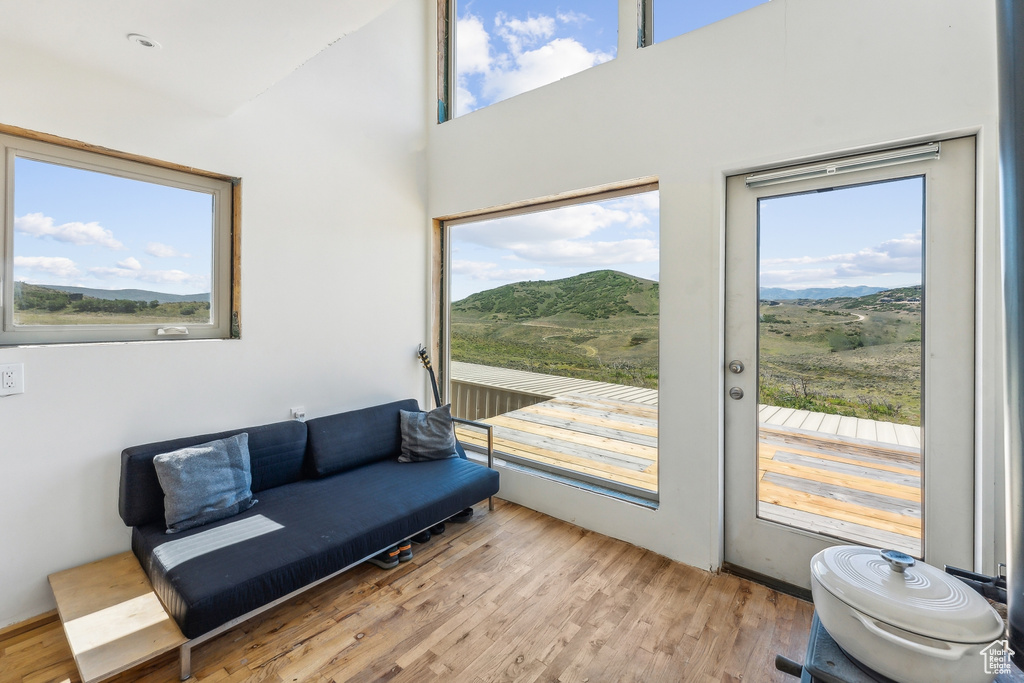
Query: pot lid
[917,597]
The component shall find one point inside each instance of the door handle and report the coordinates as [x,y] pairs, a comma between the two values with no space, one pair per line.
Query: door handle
[736,393]
[735,367]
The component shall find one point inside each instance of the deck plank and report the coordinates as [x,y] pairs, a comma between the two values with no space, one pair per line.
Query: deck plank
[835,509]
[878,463]
[796,420]
[579,438]
[592,416]
[590,428]
[850,531]
[842,469]
[829,424]
[847,426]
[907,435]
[780,417]
[911,493]
[885,432]
[846,494]
[643,478]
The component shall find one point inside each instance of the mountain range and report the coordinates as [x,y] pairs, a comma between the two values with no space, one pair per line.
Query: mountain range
[781,294]
[128,294]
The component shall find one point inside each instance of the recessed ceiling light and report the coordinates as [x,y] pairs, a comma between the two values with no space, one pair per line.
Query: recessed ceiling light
[142,40]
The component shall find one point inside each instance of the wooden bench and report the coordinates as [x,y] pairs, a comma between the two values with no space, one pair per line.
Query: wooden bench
[111,616]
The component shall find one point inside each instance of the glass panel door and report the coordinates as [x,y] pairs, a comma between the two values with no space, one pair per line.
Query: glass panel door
[849,368]
[839,362]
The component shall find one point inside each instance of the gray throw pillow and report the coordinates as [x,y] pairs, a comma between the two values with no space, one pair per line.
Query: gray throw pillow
[427,436]
[205,483]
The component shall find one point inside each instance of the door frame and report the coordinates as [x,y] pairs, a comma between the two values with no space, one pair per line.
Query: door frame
[780,552]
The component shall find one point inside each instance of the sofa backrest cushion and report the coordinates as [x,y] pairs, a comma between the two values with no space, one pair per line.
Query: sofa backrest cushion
[276,455]
[359,437]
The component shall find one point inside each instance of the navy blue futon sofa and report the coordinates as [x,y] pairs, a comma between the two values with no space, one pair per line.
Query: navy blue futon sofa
[331,495]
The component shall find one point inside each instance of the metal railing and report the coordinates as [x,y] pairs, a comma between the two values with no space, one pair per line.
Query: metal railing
[490,445]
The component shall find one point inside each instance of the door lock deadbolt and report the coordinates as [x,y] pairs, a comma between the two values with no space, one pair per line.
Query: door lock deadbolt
[735,367]
[736,393]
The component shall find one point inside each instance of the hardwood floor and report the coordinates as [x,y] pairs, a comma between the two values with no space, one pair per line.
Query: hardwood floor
[513,595]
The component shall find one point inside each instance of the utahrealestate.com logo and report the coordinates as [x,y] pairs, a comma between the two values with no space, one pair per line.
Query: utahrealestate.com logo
[997,658]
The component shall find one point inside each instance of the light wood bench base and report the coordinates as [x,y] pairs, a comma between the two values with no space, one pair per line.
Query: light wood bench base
[112,618]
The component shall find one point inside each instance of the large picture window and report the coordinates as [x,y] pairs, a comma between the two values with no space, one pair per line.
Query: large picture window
[553,336]
[102,248]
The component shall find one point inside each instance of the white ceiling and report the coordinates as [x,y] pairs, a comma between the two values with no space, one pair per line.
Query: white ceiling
[215,54]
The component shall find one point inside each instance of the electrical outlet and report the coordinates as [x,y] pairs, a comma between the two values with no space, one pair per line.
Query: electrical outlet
[299,414]
[12,379]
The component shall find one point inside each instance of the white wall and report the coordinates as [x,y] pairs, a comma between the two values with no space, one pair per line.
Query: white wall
[788,80]
[333,264]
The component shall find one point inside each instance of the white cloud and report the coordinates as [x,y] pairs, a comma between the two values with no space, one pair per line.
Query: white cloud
[902,255]
[52,265]
[465,101]
[473,45]
[481,270]
[518,33]
[153,276]
[585,236]
[163,251]
[525,71]
[531,56]
[571,222]
[583,253]
[572,17]
[38,225]
[130,263]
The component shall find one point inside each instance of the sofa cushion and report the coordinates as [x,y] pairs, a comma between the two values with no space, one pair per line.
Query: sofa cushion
[344,441]
[427,435]
[276,454]
[300,533]
[206,482]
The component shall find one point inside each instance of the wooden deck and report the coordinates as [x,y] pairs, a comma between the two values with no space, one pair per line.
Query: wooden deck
[856,479]
[863,492]
[600,437]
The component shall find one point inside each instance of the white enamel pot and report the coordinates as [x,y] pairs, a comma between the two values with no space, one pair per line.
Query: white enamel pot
[907,620]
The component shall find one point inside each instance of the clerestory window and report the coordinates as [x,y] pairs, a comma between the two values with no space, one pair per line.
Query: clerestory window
[507,47]
[664,19]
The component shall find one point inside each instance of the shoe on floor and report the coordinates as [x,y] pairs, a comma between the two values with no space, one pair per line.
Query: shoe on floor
[405,551]
[387,559]
[463,516]
[421,537]
[437,529]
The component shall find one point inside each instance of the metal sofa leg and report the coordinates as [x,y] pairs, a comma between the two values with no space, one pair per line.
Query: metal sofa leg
[490,503]
[186,661]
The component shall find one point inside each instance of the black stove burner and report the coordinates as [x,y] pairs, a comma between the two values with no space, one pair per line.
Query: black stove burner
[825,661]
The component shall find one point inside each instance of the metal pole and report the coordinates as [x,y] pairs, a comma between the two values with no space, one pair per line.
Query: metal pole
[1010,29]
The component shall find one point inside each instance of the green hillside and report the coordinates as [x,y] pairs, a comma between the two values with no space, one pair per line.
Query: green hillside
[601,326]
[46,305]
[598,295]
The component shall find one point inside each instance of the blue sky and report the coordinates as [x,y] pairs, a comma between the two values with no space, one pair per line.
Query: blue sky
[89,229]
[618,234]
[861,235]
[506,47]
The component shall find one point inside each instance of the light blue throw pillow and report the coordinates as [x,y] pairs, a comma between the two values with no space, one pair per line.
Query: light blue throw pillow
[206,482]
[427,436]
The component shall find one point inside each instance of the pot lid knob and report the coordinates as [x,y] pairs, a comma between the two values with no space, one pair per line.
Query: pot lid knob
[898,561]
